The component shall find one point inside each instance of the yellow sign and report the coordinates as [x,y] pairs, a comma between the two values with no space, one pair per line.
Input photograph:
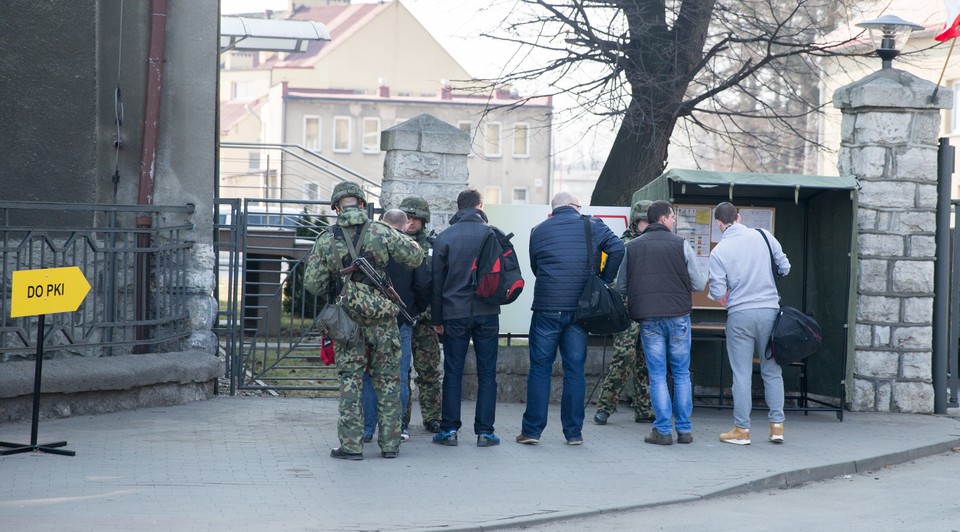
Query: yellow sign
[47,291]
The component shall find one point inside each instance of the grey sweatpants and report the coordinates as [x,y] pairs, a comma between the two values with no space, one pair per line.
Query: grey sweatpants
[748,332]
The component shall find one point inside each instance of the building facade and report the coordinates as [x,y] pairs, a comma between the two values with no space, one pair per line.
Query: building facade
[380,68]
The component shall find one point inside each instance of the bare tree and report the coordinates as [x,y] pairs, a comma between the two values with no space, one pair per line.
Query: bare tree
[740,72]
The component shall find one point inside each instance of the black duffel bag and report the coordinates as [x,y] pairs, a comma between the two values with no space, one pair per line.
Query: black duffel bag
[795,336]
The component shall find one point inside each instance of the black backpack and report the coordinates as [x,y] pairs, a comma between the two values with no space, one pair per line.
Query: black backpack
[495,272]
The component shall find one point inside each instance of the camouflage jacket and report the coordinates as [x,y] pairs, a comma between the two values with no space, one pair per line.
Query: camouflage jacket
[424,242]
[629,234]
[380,244]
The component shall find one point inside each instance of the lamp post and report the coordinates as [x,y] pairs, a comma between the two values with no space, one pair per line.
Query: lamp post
[889,34]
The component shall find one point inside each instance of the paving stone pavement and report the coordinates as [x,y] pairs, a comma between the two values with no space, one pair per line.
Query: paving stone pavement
[261,463]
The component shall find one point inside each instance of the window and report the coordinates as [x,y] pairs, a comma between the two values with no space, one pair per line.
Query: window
[491,195]
[342,126]
[253,160]
[521,141]
[371,135]
[311,132]
[311,192]
[492,146]
[519,196]
[241,90]
[467,127]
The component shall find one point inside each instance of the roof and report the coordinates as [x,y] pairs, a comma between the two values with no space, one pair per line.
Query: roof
[678,182]
[457,98]
[341,21]
[232,112]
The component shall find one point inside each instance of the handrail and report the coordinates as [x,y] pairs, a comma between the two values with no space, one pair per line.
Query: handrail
[287,148]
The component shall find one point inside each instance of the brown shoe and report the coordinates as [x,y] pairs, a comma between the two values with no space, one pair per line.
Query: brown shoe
[736,436]
[659,439]
[527,440]
[776,432]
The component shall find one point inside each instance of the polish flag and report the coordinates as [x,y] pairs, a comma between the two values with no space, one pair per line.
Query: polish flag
[951,28]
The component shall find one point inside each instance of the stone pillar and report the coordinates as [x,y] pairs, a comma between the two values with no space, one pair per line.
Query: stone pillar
[426,157]
[889,142]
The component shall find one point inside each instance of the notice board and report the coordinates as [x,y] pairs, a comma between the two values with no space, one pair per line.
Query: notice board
[695,224]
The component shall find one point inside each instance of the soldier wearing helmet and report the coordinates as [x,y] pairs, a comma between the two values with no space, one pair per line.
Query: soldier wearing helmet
[373,312]
[426,346]
[628,362]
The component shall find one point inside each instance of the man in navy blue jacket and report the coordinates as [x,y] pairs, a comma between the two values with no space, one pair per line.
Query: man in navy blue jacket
[558,257]
[458,318]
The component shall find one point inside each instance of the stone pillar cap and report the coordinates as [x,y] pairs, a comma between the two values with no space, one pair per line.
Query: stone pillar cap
[426,133]
[896,89]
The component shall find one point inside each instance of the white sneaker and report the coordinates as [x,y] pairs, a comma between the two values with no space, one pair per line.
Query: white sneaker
[404,436]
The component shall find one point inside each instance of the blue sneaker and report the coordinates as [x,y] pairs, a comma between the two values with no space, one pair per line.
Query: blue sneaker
[446,437]
[487,440]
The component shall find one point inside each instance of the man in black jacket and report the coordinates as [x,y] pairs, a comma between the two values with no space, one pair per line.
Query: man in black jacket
[559,259]
[458,317]
[658,275]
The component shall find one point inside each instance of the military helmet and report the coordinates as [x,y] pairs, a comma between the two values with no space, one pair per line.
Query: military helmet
[416,206]
[639,211]
[344,189]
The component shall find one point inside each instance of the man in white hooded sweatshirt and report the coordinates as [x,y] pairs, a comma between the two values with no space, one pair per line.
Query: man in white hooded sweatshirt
[741,280]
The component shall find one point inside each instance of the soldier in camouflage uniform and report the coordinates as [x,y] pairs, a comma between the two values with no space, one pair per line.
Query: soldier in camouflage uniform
[378,329]
[426,346]
[628,361]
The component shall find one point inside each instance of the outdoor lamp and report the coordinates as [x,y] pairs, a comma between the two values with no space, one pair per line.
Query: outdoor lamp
[889,34]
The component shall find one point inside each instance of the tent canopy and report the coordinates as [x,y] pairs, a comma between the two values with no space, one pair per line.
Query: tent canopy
[730,185]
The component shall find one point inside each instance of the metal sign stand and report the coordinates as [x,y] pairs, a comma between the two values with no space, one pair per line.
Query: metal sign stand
[17,448]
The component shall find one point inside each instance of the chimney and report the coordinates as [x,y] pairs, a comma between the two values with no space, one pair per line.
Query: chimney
[383,90]
[446,93]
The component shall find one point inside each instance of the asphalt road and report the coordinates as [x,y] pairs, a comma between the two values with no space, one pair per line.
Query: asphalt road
[921,495]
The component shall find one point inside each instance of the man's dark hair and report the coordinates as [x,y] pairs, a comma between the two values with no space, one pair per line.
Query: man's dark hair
[469,199]
[726,213]
[657,210]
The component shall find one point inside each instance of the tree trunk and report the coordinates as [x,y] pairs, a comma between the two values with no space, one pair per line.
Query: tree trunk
[637,157]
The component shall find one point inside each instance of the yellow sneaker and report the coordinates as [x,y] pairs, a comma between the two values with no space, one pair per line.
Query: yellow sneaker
[737,436]
[776,432]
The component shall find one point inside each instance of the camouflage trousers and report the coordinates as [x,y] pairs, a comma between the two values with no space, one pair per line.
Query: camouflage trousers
[426,362]
[627,365]
[383,341]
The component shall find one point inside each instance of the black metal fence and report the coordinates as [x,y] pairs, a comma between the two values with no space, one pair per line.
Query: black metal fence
[265,322]
[133,256]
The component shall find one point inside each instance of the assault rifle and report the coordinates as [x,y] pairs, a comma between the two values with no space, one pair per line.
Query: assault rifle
[381,284]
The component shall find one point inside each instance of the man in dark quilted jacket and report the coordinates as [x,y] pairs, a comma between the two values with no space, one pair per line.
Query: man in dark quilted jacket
[559,260]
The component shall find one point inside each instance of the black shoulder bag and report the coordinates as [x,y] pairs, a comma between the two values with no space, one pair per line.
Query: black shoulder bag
[600,309]
[795,335]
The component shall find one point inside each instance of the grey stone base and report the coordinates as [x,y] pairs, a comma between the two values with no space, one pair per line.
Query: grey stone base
[513,363]
[88,385]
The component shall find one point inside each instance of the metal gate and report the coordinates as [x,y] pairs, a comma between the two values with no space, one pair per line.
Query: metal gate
[266,318]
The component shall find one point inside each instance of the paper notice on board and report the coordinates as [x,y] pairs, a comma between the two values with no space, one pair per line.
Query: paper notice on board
[757,218]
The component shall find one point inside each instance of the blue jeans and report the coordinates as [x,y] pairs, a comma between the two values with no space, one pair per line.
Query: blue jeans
[667,341]
[370,397]
[548,332]
[485,332]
